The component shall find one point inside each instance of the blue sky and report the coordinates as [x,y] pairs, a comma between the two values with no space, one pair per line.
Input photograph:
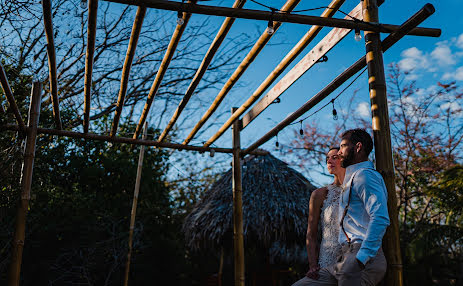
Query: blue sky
[427,60]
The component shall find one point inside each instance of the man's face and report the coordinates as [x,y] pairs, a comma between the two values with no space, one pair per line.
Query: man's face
[346,153]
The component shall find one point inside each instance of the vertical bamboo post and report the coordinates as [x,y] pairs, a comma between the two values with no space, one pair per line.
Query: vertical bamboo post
[382,140]
[238,243]
[26,180]
[134,205]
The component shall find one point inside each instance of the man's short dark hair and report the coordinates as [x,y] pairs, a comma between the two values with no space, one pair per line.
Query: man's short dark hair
[359,135]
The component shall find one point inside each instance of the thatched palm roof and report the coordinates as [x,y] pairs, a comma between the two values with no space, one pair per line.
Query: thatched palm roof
[275,209]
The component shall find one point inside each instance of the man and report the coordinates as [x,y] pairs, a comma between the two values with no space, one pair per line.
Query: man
[363,218]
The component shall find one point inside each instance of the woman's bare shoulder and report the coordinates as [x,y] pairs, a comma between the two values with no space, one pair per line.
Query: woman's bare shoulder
[319,194]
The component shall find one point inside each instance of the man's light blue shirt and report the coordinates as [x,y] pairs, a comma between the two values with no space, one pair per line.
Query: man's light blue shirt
[367,218]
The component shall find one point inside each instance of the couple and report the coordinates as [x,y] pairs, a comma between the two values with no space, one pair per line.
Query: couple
[353,218]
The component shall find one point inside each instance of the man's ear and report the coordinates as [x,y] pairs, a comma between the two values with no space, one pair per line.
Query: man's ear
[358,147]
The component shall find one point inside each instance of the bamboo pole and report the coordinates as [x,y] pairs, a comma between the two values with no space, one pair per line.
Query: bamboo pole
[250,57]
[278,17]
[163,67]
[26,181]
[226,25]
[415,20]
[136,29]
[48,23]
[125,140]
[314,30]
[309,60]
[11,100]
[238,242]
[382,141]
[91,35]
[1,108]
[305,64]
[134,206]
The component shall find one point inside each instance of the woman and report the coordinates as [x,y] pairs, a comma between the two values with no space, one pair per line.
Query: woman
[323,210]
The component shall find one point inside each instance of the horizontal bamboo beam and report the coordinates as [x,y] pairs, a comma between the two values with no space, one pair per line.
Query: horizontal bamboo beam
[126,140]
[91,35]
[414,21]
[312,57]
[250,57]
[226,25]
[136,29]
[51,52]
[163,68]
[278,17]
[11,100]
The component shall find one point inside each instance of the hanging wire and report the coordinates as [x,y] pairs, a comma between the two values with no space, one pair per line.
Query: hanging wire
[331,101]
[273,9]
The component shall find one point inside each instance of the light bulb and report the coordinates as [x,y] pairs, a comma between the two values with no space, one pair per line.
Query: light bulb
[212,153]
[83,4]
[357,36]
[270,29]
[180,20]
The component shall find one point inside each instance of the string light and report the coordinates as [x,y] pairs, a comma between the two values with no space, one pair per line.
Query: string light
[276,143]
[301,131]
[212,153]
[180,20]
[335,113]
[83,4]
[357,36]
[270,29]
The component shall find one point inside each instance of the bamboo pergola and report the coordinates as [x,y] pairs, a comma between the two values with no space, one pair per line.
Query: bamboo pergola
[366,19]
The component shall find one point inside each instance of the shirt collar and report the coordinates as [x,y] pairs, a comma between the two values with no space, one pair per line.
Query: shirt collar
[350,170]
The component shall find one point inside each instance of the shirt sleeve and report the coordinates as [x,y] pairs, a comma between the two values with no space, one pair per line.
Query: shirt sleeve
[372,192]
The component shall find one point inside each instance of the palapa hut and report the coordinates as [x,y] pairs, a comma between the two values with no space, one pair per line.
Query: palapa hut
[275,211]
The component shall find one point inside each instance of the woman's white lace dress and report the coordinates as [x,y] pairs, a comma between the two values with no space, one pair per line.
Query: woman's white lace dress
[329,246]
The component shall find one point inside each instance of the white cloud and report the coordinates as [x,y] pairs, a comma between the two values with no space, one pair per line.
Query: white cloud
[412,52]
[460,41]
[363,109]
[443,54]
[413,59]
[412,76]
[457,74]
[453,106]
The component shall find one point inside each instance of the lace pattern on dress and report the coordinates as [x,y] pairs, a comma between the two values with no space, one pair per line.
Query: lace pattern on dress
[329,246]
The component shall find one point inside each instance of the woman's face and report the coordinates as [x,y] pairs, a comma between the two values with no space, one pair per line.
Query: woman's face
[333,162]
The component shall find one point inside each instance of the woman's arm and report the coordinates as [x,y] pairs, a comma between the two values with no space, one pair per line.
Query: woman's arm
[315,205]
